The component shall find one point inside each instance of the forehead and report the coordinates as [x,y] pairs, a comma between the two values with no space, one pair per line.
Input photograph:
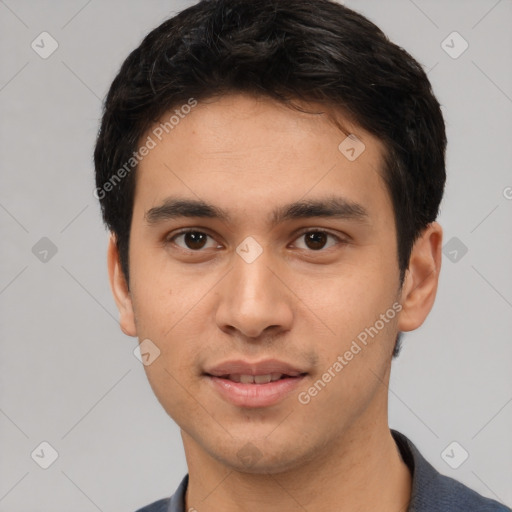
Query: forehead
[241,152]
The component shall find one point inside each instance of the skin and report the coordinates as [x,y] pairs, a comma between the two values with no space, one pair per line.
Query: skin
[304,306]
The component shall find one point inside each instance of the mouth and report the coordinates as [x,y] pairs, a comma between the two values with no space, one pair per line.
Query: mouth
[258,379]
[253,385]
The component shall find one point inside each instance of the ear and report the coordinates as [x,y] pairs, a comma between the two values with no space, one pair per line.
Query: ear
[421,278]
[120,289]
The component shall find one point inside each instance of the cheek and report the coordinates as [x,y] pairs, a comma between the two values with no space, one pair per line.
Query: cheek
[171,326]
[351,300]
[351,305]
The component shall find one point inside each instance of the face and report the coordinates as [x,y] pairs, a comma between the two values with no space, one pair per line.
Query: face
[275,304]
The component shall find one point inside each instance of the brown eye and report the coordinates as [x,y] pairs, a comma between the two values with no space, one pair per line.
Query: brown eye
[192,240]
[315,240]
[195,240]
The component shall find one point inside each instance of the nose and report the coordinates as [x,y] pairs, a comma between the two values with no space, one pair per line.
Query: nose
[254,301]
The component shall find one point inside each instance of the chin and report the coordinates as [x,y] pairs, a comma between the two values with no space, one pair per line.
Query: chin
[259,457]
[260,467]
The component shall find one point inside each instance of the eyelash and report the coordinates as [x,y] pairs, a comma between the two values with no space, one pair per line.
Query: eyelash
[340,241]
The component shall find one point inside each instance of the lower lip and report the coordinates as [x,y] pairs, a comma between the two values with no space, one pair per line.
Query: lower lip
[255,395]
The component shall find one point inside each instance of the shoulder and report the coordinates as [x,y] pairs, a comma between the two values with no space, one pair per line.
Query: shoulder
[157,506]
[449,494]
[175,503]
[435,492]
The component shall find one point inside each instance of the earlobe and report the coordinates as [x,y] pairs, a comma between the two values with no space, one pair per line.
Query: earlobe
[421,279]
[120,289]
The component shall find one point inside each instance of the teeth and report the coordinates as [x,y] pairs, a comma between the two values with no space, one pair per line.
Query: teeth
[255,379]
[262,379]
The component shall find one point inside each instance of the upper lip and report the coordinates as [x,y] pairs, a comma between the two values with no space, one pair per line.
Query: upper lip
[257,368]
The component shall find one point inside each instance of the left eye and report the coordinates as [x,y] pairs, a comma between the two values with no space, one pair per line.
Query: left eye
[316,240]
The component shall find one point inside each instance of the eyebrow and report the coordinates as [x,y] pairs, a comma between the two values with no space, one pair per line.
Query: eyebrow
[329,207]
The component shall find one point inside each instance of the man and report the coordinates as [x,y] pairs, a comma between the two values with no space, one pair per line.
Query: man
[270,172]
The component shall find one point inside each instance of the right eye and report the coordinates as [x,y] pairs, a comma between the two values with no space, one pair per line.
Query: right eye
[192,239]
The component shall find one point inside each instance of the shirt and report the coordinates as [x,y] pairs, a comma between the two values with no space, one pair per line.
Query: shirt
[431,491]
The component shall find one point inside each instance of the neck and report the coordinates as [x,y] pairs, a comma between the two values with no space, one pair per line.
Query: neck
[363,472]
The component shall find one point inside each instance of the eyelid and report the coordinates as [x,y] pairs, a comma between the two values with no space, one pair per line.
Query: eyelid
[339,241]
[311,229]
[341,238]
[169,238]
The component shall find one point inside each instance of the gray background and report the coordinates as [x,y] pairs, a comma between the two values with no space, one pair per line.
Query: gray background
[68,374]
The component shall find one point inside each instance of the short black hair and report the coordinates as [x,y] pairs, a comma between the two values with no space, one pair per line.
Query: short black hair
[308,50]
